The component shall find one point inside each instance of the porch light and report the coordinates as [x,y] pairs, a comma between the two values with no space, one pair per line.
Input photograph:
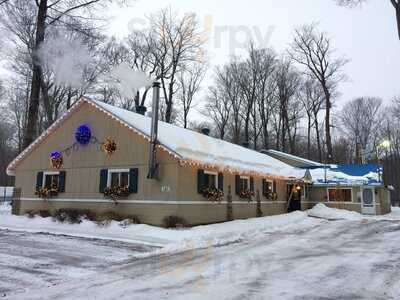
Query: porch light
[385,144]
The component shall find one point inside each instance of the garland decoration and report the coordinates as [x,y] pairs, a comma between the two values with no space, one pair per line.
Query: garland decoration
[83,134]
[47,192]
[109,146]
[213,194]
[56,159]
[246,194]
[116,192]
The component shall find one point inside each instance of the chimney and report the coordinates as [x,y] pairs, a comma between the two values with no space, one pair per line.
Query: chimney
[205,131]
[153,166]
[246,144]
[141,109]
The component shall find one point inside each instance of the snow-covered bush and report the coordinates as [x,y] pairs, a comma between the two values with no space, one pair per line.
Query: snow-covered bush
[175,222]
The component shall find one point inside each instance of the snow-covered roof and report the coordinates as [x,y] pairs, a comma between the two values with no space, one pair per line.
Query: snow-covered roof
[188,146]
[347,175]
[299,160]
[342,175]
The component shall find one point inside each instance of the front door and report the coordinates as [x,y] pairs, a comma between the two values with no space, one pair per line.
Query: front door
[293,198]
[368,201]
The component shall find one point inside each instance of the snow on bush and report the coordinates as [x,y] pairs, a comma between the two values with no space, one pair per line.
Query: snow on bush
[322,211]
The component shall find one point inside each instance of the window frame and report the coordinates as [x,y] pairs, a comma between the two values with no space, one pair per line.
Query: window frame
[45,173]
[247,179]
[272,184]
[340,188]
[214,174]
[119,171]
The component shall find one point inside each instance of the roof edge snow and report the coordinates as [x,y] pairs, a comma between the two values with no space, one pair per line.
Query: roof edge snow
[182,161]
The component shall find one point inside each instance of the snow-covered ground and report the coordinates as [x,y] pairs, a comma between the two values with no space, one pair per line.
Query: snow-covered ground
[287,257]
[169,240]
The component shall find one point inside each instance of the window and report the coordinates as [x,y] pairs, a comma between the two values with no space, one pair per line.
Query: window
[118,178]
[244,183]
[51,180]
[339,195]
[305,192]
[268,187]
[210,179]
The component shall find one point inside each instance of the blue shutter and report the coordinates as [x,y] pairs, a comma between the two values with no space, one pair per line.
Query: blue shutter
[237,184]
[221,181]
[103,180]
[200,181]
[264,187]
[133,180]
[39,180]
[61,183]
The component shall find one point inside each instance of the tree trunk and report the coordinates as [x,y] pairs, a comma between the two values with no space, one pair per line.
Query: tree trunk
[309,137]
[31,126]
[69,98]
[328,125]
[318,139]
[168,110]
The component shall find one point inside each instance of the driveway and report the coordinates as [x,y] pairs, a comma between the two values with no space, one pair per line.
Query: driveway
[322,260]
[30,261]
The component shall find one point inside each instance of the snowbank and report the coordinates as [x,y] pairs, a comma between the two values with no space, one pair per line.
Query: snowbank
[394,215]
[169,240]
[322,211]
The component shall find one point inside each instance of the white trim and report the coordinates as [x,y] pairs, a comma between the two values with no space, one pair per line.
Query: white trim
[339,188]
[110,171]
[272,185]
[248,180]
[49,173]
[213,173]
[167,202]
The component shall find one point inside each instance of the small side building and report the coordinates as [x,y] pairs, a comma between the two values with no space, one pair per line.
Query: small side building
[357,188]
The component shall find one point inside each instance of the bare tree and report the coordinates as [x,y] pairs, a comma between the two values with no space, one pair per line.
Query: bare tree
[48,13]
[179,42]
[218,108]
[360,121]
[287,84]
[189,81]
[312,98]
[395,4]
[226,78]
[313,50]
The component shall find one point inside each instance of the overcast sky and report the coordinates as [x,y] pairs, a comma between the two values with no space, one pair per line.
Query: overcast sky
[366,36]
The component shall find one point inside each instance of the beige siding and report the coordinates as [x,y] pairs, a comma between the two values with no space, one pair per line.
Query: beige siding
[83,166]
